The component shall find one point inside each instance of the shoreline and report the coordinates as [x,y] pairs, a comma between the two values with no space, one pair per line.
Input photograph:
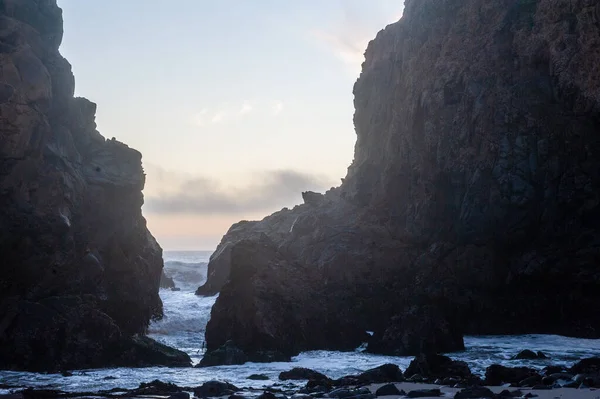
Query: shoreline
[427,376]
[158,389]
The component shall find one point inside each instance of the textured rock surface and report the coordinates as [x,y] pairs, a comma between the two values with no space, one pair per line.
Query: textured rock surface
[474,191]
[80,270]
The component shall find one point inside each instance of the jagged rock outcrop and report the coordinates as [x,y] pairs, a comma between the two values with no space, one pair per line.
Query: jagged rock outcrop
[80,270]
[474,191]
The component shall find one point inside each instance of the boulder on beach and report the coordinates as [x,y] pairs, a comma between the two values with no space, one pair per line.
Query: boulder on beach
[498,375]
[384,373]
[433,366]
[389,390]
[214,389]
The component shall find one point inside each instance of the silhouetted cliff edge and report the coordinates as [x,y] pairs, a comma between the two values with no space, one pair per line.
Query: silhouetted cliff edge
[471,206]
[79,271]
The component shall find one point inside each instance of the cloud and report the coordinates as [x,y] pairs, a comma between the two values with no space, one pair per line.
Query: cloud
[277,108]
[269,191]
[218,117]
[360,21]
[350,50]
[246,108]
[199,119]
[227,113]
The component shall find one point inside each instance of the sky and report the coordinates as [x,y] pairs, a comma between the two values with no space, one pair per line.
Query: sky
[236,105]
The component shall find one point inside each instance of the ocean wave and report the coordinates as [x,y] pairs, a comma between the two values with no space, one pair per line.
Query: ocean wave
[186,275]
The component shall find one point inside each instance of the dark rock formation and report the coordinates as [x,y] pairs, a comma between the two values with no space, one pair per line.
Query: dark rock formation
[529,355]
[473,191]
[80,270]
[230,354]
[587,366]
[498,375]
[424,393]
[384,373]
[437,366]
[388,390]
[418,330]
[301,373]
[214,388]
[257,377]
[166,281]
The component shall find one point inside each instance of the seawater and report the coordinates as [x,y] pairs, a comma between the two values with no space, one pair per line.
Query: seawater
[185,320]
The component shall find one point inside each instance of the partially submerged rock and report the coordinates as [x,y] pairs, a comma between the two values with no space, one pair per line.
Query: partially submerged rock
[301,373]
[530,355]
[431,366]
[214,389]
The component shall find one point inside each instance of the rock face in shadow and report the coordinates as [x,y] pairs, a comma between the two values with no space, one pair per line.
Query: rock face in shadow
[80,270]
[473,191]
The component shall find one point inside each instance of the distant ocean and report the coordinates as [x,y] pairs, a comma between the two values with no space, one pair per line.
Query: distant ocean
[185,320]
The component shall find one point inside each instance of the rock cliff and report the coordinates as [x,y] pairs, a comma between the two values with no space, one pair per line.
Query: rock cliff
[472,203]
[80,270]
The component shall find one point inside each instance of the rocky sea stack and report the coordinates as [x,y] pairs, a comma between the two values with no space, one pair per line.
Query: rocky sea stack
[80,270]
[471,206]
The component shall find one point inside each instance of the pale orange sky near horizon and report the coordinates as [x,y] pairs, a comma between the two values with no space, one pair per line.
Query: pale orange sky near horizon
[237,107]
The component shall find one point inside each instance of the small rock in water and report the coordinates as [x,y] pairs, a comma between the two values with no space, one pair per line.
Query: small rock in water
[236,396]
[156,387]
[387,390]
[109,377]
[525,355]
[180,395]
[301,373]
[475,393]
[257,377]
[301,396]
[424,393]
[66,373]
[175,289]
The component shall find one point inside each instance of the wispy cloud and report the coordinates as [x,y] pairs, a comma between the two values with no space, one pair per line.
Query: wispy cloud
[359,24]
[277,108]
[246,108]
[225,113]
[199,119]
[218,117]
[270,190]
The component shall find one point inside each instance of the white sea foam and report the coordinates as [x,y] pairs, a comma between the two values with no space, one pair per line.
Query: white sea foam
[185,320]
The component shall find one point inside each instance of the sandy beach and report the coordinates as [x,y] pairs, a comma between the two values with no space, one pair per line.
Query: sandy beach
[449,392]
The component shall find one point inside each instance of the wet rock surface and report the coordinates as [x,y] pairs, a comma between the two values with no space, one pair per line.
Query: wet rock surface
[81,271]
